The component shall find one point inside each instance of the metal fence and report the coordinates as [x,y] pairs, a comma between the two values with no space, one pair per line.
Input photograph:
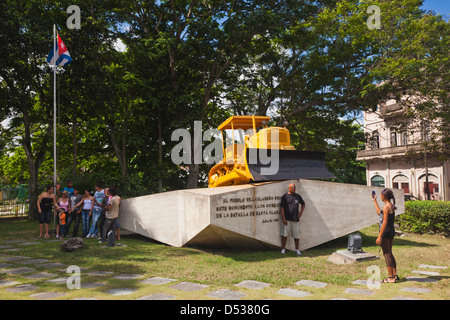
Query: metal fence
[14,202]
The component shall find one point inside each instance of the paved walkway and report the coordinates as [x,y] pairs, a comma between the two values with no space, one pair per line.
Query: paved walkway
[43,279]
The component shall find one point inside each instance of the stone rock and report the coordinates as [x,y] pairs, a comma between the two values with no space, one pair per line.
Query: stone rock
[72,244]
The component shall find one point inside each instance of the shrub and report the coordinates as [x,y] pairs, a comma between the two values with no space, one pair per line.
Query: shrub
[426,216]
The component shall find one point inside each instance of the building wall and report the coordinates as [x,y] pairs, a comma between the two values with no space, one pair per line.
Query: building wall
[401,171]
[397,170]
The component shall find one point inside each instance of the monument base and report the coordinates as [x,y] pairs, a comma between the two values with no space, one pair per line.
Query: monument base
[346,257]
[248,216]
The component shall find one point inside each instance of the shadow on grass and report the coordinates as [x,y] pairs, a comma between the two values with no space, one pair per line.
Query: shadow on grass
[324,249]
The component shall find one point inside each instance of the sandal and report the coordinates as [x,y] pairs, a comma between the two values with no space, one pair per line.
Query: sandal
[386,280]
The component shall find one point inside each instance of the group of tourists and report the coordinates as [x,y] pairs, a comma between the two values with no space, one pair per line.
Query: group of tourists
[98,212]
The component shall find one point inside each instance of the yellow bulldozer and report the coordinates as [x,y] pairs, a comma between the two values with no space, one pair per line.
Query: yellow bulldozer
[253,152]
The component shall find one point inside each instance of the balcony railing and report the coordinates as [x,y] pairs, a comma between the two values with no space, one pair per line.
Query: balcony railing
[392,110]
[388,152]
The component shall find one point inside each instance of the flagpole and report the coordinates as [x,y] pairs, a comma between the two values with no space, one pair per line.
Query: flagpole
[55,43]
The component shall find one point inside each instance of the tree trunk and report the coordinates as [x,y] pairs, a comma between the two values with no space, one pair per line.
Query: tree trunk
[33,162]
[119,149]
[192,181]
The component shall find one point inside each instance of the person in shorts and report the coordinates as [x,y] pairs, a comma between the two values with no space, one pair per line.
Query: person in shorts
[291,208]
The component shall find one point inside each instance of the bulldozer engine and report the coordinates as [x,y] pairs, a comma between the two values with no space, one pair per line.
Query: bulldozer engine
[264,155]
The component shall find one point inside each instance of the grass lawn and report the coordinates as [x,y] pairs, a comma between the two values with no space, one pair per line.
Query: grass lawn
[225,268]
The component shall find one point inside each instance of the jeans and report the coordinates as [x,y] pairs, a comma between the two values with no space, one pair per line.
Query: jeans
[96,213]
[109,224]
[75,217]
[101,221]
[62,229]
[85,222]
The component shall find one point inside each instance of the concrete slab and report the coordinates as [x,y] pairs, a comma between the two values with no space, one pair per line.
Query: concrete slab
[99,273]
[47,295]
[416,290]
[157,280]
[125,276]
[248,215]
[157,296]
[40,275]
[310,283]
[359,291]
[360,282]
[293,293]
[426,273]
[251,284]
[226,294]
[33,261]
[346,257]
[22,288]
[431,266]
[12,249]
[60,280]
[90,285]
[15,258]
[28,243]
[420,279]
[120,291]
[189,286]
[21,270]
[50,265]
[6,265]
[15,241]
[4,283]
[405,298]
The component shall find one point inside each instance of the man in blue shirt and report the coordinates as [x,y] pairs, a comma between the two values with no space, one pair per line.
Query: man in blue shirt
[97,210]
[69,188]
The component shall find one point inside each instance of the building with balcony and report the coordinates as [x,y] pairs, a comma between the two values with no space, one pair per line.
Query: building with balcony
[398,154]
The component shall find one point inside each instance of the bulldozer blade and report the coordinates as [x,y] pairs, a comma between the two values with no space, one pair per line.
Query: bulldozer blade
[266,165]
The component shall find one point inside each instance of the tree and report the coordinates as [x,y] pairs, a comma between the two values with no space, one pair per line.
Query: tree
[24,37]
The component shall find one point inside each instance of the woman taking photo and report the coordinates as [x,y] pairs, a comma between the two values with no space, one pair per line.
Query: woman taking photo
[44,204]
[387,232]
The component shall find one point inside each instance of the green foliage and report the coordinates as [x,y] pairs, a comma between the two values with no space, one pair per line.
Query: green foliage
[311,63]
[426,216]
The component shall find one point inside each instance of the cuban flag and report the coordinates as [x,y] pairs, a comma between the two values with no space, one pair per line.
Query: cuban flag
[62,56]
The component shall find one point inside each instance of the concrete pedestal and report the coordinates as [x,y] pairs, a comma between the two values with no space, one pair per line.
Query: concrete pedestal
[346,257]
[247,216]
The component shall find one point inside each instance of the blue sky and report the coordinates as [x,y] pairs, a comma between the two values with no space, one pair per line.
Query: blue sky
[438,6]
